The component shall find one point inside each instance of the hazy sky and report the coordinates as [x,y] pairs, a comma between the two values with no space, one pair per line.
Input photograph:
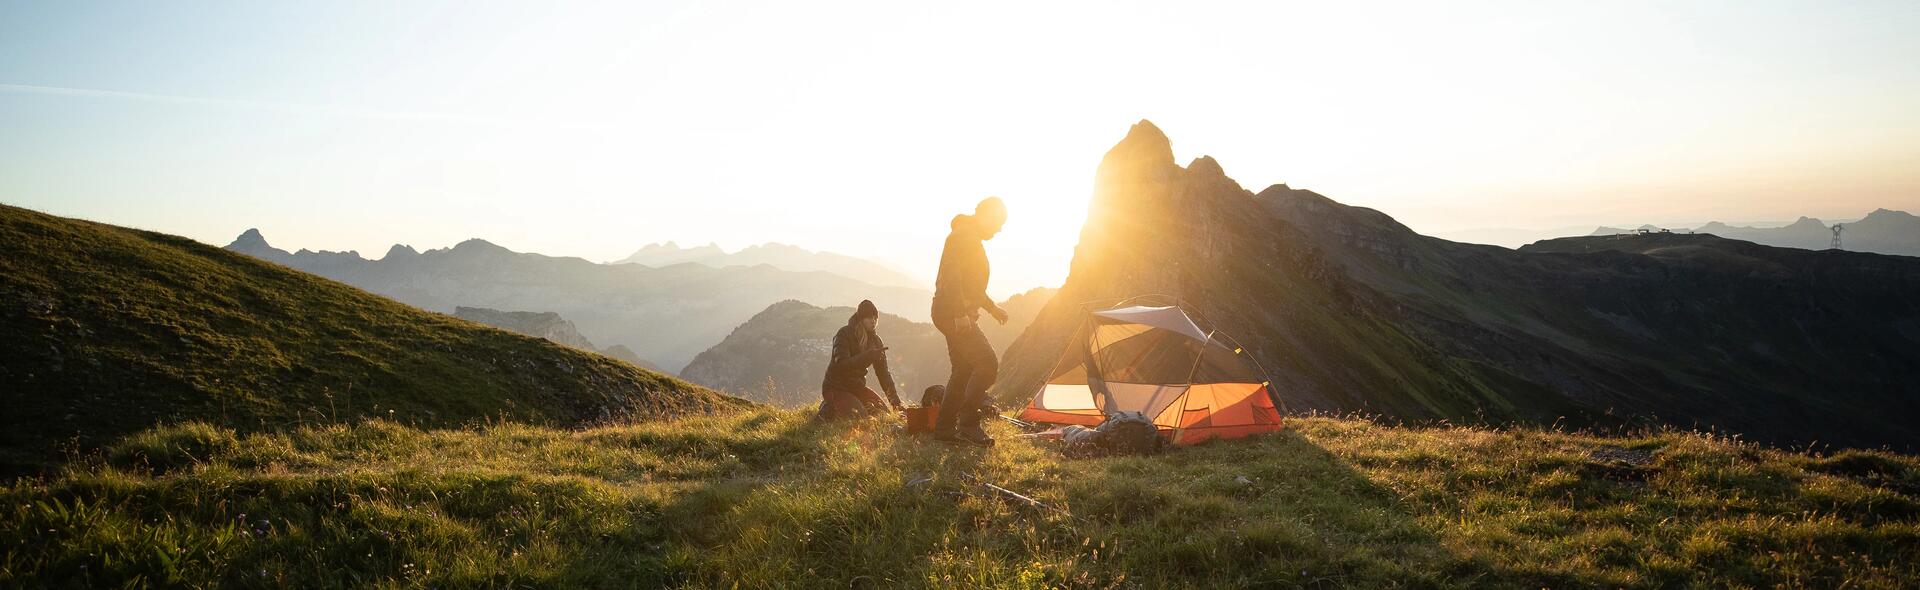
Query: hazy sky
[590,130]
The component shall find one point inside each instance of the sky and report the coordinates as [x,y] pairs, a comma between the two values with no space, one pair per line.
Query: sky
[591,129]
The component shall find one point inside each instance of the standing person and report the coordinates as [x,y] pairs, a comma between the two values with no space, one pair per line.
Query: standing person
[844,392]
[959,294]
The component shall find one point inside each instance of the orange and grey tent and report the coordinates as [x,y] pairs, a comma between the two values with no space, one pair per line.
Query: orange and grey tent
[1157,362]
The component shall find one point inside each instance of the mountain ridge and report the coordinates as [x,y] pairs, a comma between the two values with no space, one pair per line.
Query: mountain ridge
[665,314]
[781,256]
[1881,231]
[1353,311]
[780,354]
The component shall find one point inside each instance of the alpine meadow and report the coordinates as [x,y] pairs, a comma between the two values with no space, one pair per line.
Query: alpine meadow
[996,295]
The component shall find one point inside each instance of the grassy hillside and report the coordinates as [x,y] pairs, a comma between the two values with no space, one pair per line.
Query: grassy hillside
[111,330]
[1685,327]
[768,498]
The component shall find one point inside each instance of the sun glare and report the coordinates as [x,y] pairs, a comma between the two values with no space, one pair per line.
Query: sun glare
[862,127]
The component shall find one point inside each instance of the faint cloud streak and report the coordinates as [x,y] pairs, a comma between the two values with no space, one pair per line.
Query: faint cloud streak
[271,106]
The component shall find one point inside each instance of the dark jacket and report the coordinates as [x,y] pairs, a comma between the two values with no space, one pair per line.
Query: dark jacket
[847,368]
[961,286]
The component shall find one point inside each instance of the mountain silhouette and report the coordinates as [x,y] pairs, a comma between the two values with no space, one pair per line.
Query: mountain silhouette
[1351,311]
[666,314]
[781,256]
[780,354]
[1884,231]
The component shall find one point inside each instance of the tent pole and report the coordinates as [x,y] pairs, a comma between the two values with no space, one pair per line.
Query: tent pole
[1268,377]
[1187,396]
[1095,380]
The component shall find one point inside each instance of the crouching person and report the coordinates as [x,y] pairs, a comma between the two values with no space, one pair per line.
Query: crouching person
[844,392]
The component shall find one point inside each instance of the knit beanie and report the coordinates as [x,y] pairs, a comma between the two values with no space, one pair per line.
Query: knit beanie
[867,310]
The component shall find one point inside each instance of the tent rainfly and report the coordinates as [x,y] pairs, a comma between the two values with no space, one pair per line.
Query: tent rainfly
[1156,362]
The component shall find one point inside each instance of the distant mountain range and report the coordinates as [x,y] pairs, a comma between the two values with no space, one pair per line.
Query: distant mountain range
[1510,237]
[547,325]
[1883,231]
[779,256]
[666,314]
[1351,311]
[110,330]
[779,356]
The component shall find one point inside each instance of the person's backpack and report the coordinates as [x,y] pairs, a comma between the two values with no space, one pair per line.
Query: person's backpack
[1123,433]
[933,395]
[921,420]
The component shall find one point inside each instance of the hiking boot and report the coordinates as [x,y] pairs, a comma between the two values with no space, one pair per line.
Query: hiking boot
[974,434]
[978,440]
[962,438]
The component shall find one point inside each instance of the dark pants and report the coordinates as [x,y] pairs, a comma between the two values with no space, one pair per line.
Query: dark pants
[840,404]
[974,368]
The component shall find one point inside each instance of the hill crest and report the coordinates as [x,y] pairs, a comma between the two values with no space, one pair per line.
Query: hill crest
[114,329]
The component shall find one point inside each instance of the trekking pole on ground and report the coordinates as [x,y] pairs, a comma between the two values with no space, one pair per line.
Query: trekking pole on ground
[1014,496]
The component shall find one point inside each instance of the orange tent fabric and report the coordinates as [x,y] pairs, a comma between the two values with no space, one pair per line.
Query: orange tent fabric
[1157,362]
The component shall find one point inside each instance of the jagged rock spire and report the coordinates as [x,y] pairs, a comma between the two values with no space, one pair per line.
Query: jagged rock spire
[249,239]
[1145,149]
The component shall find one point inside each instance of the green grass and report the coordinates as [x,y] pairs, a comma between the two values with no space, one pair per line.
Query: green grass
[110,330]
[767,498]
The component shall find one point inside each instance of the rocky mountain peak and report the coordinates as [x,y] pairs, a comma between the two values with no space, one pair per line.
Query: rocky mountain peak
[1145,150]
[253,244]
[478,245]
[400,251]
[788,306]
[1888,215]
[1807,222]
[1206,166]
[250,239]
[1281,193]
[1350,309]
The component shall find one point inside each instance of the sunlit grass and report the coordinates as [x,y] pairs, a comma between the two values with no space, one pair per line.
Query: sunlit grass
[766,498]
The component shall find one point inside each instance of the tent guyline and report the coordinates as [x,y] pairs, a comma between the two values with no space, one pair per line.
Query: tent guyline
[1154,361]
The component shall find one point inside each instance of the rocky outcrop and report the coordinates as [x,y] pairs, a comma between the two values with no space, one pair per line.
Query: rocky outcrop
[1021,308]
[546,325]
[1349,310]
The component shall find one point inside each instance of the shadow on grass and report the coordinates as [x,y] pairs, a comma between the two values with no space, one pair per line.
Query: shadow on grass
[883,510]
[764,498]
[1275,510]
